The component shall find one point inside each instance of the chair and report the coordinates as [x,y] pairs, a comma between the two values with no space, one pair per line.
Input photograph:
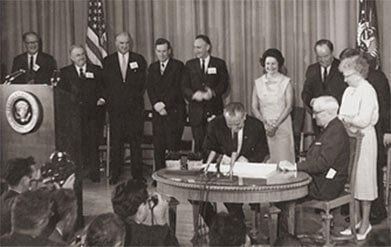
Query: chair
[387,182]
[346,197]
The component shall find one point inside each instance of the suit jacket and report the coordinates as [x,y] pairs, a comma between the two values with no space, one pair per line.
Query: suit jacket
[195,80]
[145,235]
[379,82]
[329,150]
[124,97]
[219,139]
[17,239]
[84,92]
[167,89]
[46,63]
[7,198]
[314,87]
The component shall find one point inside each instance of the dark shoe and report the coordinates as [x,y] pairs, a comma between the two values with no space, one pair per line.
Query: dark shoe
[113,180]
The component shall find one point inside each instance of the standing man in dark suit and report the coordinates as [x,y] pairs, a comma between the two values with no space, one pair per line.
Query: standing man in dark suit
[38,65]
[124,75]
[234,132]
[84,83]
[327,158]
[323,77]
[205,81]
[164,91]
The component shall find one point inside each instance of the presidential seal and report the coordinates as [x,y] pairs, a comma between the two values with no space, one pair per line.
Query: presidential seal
[23,112]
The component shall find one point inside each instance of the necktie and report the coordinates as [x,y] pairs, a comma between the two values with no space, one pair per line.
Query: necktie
[123,68]
[162,68]
[324,74]
[81,73]
[31,63]
[235,141]
[203,66]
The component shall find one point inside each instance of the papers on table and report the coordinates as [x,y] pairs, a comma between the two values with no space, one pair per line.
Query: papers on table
[248,170]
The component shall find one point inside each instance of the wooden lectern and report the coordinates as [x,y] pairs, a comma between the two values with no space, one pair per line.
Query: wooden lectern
[55,127]
[36,120]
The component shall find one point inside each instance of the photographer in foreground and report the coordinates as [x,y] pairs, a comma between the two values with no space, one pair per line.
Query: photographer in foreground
[145,217]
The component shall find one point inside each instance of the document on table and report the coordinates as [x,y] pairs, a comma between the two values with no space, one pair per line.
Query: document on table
[248,170]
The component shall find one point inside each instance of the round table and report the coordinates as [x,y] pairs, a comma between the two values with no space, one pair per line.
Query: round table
[277,187]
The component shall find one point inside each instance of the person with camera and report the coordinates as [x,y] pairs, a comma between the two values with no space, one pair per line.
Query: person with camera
[18,174]
[145,216]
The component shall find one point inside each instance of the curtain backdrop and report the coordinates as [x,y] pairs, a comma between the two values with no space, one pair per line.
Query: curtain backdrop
[240,30]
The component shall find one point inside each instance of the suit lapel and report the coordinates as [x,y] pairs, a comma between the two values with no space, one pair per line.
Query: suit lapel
[245,137]
[25,63]
[333,70]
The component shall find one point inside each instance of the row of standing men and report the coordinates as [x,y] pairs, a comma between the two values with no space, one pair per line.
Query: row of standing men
[201,82]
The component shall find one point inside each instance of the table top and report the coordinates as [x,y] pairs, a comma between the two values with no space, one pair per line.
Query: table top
[279,186]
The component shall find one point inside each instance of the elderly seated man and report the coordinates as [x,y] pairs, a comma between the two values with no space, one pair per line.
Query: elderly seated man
[327,159]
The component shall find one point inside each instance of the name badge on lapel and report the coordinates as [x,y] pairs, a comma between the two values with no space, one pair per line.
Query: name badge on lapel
[36,67]
[318,144]
[133,65]
[331,173]
[212,71]
[90,75]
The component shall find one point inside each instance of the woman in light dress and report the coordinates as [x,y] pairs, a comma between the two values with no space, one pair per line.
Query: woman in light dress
[360,111]
[272,104]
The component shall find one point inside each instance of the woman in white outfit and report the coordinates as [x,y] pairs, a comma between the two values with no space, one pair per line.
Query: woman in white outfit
[272,104]
[360,111]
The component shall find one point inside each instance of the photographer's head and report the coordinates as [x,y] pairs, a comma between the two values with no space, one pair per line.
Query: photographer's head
[31,211]
[105,230]
[18,173]
[130,200]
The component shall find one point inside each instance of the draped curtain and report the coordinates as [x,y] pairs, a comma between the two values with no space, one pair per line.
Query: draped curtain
[240,30]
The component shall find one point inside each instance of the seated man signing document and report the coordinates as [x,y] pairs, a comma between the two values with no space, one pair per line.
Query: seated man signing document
[234,132]
[327,158]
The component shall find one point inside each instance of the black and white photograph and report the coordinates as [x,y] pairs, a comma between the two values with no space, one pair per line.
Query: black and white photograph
[195,122]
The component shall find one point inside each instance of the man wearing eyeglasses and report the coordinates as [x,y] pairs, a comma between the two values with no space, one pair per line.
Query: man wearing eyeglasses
[327,158]
[39,66]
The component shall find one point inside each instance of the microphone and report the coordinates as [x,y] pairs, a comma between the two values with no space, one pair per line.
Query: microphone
[15,73]
[9,78]
[55,78]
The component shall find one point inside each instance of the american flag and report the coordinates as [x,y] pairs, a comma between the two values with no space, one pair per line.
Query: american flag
[367,30]
[96,45]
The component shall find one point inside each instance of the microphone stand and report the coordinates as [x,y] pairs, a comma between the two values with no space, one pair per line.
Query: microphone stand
[11,77]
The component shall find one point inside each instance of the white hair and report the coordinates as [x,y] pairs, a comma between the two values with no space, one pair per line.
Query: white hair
[326,103]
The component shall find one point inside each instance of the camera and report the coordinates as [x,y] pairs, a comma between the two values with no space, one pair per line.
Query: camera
[59,169]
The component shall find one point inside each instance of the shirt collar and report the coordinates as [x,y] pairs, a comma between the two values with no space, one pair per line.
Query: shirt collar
[84,68]
[206,61]
[120,56]
[165,63]
[34,56]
